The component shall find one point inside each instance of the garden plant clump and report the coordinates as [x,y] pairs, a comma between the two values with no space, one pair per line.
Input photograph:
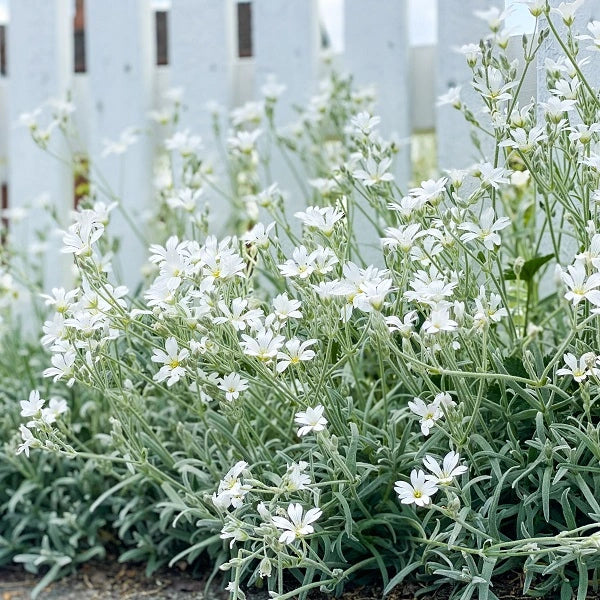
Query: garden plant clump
[315,411]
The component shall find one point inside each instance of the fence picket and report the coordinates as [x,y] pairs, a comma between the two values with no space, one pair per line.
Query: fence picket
[457,25]
[121,52]
[381,27]
[551,50]
[201,51]
[40,65]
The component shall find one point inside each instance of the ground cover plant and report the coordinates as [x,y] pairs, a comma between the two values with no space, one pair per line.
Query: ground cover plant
[318,409]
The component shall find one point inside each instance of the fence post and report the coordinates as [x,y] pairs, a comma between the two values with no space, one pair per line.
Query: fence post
[40,66]
[121,51]
[457,25]
[377,53]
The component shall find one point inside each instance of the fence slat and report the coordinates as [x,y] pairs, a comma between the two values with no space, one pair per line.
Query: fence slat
[201,50]
[40,66]
[377,53]
[286,44]
[121,51]
[457,25]
[551,50]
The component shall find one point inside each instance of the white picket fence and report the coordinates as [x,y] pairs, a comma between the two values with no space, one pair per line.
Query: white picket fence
[122,83]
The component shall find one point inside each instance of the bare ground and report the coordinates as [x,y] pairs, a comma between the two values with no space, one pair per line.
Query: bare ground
[114,581]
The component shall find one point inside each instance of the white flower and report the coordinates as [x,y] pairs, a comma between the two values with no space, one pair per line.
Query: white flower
[285,308]
[184,143]
[402,237]
[295,353]
[472,53]
[56,407]
[264,346]
[82,234]
[323,219]
[300,265]
[28,440]
[439,320]
[297,525]
[452,96]
[311,419]
[491,85]
[33,406]
[488,311]
[525,141]
[231,490]
[555,108]
[259,235]
[244,142]
[444,400]
[536,7]
[295,478]
[492,16]
[61,299]
[419,491]
[236,316]
[232,385]
[490,175]
[172,370]
[485,230]
[364,123]
[271,89]
[579,369]
[567,11]
[594,29]
[127,138]
[429,413]
[405,326]
[63,367]
[374,173]
[580,286]
[443,475]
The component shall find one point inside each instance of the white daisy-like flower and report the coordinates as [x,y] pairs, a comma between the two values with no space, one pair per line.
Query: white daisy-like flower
[580,285]
[285,308]
[429,413]
[579,369]
[232,489]
[323,219]
[172,359]
[419,491]
[311,419]
[233,385]
[486,230]
[295,353]
[298,524]
[33,406]
[28,441]
[444,474]
[264,346]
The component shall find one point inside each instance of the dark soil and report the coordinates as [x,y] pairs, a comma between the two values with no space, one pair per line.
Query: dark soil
[113,581]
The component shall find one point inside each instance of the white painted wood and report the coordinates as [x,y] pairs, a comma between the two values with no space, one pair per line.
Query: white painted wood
[377,53]
[286,44]
[457,25]
[120,39]
[40,65]
[201,56]
[3,131]
[551,49]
